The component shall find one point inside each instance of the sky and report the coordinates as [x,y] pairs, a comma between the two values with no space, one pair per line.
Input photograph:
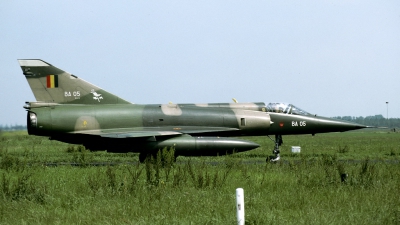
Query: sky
[330,58]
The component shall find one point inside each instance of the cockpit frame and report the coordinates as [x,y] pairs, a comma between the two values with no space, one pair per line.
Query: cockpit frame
[286,108]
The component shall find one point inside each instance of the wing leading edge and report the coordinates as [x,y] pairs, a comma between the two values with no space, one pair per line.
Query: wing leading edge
[141,132]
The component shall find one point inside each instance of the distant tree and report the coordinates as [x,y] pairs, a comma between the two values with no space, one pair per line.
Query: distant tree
[12,127]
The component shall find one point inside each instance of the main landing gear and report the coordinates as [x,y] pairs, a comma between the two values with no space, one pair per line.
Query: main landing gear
[278,142]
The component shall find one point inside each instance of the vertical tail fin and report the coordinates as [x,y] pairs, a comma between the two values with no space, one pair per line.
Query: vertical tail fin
[53,85]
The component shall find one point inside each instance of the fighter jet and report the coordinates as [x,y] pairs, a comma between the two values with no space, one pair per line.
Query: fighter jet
[71,110]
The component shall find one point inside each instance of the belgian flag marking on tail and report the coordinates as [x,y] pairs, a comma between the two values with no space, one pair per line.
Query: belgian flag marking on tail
[52,81]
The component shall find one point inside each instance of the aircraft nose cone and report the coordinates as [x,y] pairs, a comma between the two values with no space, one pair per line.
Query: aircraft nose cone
[336,125]
[351,126]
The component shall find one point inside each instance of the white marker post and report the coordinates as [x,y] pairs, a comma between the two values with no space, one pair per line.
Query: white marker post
[240,206]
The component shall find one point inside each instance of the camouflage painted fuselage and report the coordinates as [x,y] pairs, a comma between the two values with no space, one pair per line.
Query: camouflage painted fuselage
[119,127]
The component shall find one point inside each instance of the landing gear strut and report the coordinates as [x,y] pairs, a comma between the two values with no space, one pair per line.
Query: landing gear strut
[278,142]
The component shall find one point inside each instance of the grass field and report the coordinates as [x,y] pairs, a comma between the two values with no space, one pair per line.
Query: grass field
[338,178]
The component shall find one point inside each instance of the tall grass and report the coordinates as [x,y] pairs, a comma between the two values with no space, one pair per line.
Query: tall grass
[317,188]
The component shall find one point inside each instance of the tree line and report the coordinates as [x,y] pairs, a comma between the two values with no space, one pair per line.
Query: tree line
[12,127]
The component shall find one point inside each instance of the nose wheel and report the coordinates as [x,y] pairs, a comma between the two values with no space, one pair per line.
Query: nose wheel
[278,142]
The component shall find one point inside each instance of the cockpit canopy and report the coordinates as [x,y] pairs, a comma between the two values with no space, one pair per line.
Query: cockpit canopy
[286,108]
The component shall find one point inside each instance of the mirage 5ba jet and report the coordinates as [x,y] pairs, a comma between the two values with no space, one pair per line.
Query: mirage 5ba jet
[71,110]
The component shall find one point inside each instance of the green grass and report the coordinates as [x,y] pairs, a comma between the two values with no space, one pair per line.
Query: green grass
[303,188]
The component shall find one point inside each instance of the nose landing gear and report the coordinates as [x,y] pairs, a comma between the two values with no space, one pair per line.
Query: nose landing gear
[278,142]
